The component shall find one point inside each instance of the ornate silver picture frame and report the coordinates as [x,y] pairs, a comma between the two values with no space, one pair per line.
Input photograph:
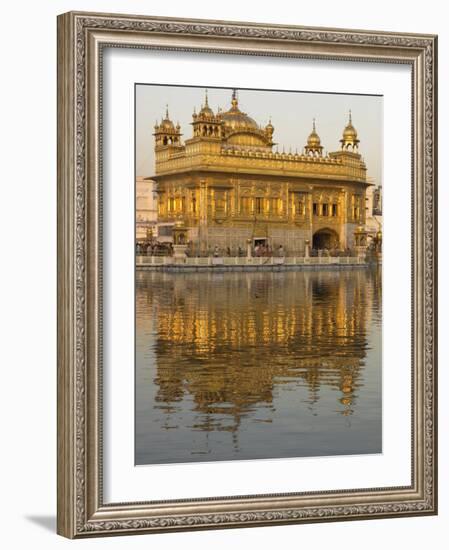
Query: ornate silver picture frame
[83,39]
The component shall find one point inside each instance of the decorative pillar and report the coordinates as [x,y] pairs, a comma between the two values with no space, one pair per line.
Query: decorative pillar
[202,225]
[307,248]
[248,248]
[179,242]
[360,242]
[378,246]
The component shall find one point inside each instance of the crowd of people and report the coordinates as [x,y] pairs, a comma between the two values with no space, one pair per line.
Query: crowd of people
[154,249]
[333,252]
[259,250]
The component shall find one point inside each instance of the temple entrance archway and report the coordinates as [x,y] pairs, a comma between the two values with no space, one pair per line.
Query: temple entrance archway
[325,238]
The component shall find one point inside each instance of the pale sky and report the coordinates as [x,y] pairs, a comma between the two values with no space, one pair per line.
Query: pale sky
[291,115]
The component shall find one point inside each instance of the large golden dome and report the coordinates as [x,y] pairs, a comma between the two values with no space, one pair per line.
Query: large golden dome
[241,130]
[236,120]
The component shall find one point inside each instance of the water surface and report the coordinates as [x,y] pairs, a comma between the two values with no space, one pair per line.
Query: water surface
[233,366]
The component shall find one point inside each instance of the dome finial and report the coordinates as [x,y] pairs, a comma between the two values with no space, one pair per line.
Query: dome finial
[313,125]
[166,111]
[206,104]
[234,100]
[350,116]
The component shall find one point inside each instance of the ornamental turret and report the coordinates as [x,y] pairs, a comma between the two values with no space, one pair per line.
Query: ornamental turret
[269,131]
[314,147]
[349,141]
[206,124]
[166,133]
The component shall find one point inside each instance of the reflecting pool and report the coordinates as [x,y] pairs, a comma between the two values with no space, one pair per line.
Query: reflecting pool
[240,365]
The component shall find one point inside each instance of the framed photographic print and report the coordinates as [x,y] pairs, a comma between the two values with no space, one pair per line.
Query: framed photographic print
[246,274]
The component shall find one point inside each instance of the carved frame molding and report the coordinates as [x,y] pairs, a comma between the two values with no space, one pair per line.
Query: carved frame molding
[81,39]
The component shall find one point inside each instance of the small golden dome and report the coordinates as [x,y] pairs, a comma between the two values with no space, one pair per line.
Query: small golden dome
[349,135]
[314,139]
[314,147]
[166,123]
[206,111]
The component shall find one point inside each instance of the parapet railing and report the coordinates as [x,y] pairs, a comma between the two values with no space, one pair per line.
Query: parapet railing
[245,261]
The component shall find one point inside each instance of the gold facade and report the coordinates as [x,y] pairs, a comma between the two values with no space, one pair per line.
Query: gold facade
[227,185]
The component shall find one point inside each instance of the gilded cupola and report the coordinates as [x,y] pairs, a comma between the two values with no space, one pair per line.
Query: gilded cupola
[314,147]
[166,133]
[206,124]
[206,111]
[166,123]
[240,129]
[349,140]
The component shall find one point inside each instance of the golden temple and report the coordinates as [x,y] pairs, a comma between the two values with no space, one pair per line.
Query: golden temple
[228,186]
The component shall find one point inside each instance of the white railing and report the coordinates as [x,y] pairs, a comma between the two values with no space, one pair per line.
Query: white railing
[244,261]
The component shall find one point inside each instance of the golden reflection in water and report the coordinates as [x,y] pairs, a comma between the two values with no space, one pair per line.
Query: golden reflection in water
[229,341]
